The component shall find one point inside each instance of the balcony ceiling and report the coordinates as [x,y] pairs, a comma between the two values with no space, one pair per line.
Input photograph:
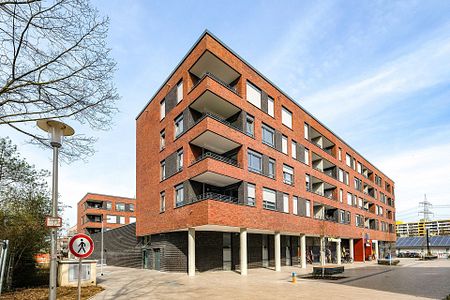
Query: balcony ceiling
[214,142]
[208,62]
[210,102]
[215,179]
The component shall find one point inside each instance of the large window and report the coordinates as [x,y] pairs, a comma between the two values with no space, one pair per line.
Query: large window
[284,144]
[306,131]
[270,107]
[341,195]
[268,135]
[254,161]
[341,175]
[308,182]
[308,208]
[162,110]
[162,202]
[272,168]
[295,205]
[120,206]
[179,126]
[359,168]
[132,220]
[251,192]
[286,117]
[111,219]
[349,199]
[108,205]
[253,95]
[306,156]
[346,178]
[179,195]
[179,91]
[288,175]
[131,207]
[269,199]
[180,160]
[250,125]
[294,150]
[162,139]
[348,160]
[286,203]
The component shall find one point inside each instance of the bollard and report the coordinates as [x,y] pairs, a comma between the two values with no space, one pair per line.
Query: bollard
[294,277]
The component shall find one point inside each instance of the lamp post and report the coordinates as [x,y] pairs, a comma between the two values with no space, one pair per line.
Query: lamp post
[56,131]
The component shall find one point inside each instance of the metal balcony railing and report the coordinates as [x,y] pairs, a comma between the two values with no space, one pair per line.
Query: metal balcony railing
[218,157]
[215,196]
[212,76]
[219,119]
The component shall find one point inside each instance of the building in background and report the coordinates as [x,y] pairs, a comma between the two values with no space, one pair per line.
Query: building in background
[414,229]
[114,211]
[231,173]
[417,246]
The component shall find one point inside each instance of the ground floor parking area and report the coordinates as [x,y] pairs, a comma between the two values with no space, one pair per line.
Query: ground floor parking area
[412,279]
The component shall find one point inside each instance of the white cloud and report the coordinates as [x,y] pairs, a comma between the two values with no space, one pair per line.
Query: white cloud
[424,170]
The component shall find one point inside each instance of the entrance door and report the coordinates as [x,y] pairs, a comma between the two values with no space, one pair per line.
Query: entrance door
[288,251]
[145,259]
[157,259]
[227,251]
[265,250]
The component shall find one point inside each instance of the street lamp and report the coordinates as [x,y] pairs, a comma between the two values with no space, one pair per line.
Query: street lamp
[56,131]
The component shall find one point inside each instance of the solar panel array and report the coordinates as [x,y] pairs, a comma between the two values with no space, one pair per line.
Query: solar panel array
[421,241]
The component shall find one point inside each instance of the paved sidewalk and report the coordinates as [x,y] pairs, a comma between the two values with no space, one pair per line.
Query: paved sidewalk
[125,283]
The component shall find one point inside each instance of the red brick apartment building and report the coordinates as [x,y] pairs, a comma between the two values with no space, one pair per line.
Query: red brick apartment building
[244,177]
[112,210]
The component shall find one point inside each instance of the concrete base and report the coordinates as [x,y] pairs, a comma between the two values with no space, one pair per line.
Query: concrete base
[429,257]
[328,270]
[388,262]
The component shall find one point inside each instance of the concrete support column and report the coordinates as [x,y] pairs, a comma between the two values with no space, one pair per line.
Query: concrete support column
[303,251]
[191,251]
[322,250]
[377,249]
[338,252]
[243,251]
[277,252]
[351,246]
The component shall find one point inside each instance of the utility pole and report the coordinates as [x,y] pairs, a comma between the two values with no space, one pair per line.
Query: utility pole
[428,243]
[425,209]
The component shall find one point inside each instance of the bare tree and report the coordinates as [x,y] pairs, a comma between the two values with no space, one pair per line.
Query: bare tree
[54,63]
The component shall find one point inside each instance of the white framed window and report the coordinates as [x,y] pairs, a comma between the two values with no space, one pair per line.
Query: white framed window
[254,161]
[179,91]
[286,203]
[348,160]
[162,202]
[162,139]
[306,156]
[163,170]
[271,168]
[286,117]
[162,110]
[131,207]
[268,135]
[251,194]
[380,210]
[121,220]
[340,154]
[306,131]
[349,199]
[179,195]
[250,125]
[341,175]
[308,208]
[253,95]
[284,144]
[270,107]
[346,178]
[295,205]
[307,182]
[132,220]
[294,150]
[353,164]
[110,219]
[269,198]
[341,195]
[180,160]
[108,205]
[179,125]
[120,206]
[288,175]
[359,168]
[360,202]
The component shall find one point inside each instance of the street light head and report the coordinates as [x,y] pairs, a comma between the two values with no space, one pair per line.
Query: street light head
[56,130]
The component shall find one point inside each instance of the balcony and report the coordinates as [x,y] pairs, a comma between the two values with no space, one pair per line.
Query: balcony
[322,142]
[322,188]
[324,166]
[213,145]
[212,155]
[367,173]
[325,212]
[93,218]
[93,204]
[210,187]
[369,190]
[210,65]
[208,102]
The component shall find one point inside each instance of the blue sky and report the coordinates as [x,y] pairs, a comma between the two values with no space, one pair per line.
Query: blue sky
[376,72]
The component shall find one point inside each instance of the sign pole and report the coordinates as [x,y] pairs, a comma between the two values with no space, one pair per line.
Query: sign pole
[101,252]
[79,278]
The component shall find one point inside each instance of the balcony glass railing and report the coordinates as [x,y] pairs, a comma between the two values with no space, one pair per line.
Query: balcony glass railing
[218,157]
[215,196]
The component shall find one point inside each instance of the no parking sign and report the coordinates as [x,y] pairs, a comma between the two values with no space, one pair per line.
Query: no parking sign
[81,245]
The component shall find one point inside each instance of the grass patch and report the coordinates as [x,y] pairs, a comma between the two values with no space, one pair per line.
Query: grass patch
[63,293]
